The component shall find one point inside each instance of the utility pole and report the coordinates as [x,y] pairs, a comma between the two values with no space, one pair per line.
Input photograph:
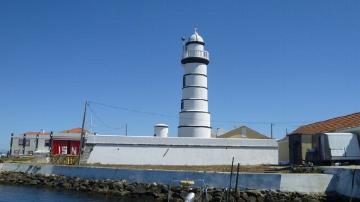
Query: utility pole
[11,144]
[125,129]
[271,128]
[82,136]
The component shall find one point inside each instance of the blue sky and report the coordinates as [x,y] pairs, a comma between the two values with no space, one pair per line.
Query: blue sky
[286,62]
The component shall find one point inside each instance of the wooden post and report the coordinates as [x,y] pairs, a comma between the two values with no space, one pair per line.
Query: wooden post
[237,177]
[231,173]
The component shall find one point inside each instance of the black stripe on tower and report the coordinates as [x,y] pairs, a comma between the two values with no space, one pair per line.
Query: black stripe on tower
[195,87]
[195,74]
[194,99]
[194,111]
[194,127]
[194,60]
[195,42]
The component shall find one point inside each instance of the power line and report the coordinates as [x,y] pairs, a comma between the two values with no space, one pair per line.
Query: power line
[102,121]
[289,123]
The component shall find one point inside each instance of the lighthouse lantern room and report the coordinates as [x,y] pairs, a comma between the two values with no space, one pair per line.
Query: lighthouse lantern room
[194,115]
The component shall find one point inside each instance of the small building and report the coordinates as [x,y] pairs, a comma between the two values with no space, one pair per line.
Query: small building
[304,142]
[39,143]
[243,132]
[65,144]
[30,143]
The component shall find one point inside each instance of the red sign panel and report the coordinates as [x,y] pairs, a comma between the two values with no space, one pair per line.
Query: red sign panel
[65,147]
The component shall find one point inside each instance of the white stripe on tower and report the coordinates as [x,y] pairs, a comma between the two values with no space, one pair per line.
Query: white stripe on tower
[194,116]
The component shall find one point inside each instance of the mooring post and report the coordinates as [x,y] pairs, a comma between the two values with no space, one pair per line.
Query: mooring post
[237,177]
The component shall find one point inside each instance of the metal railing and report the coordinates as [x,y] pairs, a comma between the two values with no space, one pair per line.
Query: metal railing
[195,53]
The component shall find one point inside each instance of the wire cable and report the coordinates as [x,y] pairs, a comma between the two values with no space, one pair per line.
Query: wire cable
[291,123]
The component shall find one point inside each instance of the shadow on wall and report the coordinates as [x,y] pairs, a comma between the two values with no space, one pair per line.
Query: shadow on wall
[345,181]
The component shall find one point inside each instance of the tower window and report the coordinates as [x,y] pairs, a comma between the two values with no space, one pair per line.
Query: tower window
[182,105]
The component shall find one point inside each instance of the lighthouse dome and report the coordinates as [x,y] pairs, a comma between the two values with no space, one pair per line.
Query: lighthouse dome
[196,38]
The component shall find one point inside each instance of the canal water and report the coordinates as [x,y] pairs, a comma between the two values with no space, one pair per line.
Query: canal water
[10,193]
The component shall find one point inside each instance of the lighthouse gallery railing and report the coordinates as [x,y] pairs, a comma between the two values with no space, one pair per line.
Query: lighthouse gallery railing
[195,53]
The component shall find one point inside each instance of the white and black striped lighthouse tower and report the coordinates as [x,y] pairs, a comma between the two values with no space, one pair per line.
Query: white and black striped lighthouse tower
[194,116]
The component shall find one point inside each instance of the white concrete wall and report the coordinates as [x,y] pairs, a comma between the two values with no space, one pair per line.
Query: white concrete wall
[181,151]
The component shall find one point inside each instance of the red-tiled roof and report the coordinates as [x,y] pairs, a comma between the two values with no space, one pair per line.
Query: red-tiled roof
[330,125]
[73,130]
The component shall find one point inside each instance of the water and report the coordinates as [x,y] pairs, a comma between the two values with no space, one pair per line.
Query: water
[10,193]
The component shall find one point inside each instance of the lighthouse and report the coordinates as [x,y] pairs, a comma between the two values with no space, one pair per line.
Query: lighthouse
[194,119]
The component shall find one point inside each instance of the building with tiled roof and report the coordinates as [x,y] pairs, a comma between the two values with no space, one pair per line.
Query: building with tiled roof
[337,124]
[307,137]
[73,130]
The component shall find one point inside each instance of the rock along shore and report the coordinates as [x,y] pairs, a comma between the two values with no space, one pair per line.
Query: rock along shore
[156,192]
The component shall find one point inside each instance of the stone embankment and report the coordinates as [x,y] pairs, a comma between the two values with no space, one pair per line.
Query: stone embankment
[156,192]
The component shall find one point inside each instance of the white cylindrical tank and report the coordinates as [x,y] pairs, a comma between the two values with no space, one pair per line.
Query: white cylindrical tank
[194,118]
[161,130]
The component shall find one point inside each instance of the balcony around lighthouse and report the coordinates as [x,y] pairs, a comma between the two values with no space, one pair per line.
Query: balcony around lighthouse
[195,56]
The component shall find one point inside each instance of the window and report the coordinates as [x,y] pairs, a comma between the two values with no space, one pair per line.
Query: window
[184,81]
[47,143]
[20,141]
[27,142]
[182,105]
[30,153]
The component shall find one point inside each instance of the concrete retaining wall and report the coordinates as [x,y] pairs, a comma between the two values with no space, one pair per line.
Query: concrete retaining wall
[346,181]
[284,182]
